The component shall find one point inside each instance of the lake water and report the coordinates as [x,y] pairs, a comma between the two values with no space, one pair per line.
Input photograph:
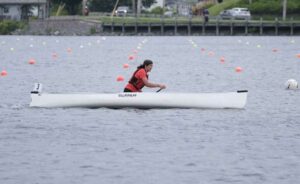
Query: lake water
[258,144]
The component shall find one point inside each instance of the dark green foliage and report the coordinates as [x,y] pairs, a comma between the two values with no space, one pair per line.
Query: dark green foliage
[54,9]
[270,6]
[102,5]
[148,3]
[8,26]
[265,7]
[293,6]
[72,6]
[157,10]
[93,30]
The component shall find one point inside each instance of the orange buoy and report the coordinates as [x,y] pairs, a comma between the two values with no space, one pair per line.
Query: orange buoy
[3,73]
[31,61]
[298,55]
[125,65]
[69,50]
[222,60]
[120,78]
[54,55]
[238,69]
[274,50]
[211,53]
[131,57]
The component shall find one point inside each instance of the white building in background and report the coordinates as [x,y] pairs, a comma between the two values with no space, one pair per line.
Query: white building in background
[22,9]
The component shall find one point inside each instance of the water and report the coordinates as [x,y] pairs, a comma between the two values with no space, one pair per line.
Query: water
[259,144]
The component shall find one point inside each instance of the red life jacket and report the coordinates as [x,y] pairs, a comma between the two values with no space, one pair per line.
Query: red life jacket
[137,83]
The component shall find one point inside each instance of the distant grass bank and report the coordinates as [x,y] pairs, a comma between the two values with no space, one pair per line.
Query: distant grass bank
[226,4]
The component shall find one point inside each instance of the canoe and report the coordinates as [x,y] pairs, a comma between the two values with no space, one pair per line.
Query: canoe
[144,100]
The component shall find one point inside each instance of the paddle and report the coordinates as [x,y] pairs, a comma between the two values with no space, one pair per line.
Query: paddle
[159,90]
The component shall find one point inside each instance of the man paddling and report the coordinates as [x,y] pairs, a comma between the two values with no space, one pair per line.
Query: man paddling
[139,78]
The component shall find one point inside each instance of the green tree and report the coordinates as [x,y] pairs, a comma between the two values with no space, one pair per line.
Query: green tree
[102,5]
[72,6]
[148,3]
[157,10]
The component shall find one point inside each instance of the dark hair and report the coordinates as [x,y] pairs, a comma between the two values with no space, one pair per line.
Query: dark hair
[146,63]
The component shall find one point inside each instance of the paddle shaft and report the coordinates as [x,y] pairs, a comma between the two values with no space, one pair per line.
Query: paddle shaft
[159,90]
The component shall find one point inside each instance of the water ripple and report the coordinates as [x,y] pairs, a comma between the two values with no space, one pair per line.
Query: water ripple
[259,144]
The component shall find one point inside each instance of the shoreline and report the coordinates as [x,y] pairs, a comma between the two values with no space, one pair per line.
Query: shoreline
[86,27]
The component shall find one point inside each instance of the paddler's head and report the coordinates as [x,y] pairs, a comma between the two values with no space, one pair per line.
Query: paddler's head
[148,64]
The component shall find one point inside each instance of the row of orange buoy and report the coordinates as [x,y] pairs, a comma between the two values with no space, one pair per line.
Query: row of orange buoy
[54,56]
[238,69]
[131,57]
[32,61]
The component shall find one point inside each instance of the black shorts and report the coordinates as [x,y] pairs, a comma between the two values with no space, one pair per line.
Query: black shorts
[126,90]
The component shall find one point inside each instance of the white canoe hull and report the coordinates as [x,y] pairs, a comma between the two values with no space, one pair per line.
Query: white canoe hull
[142,100]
